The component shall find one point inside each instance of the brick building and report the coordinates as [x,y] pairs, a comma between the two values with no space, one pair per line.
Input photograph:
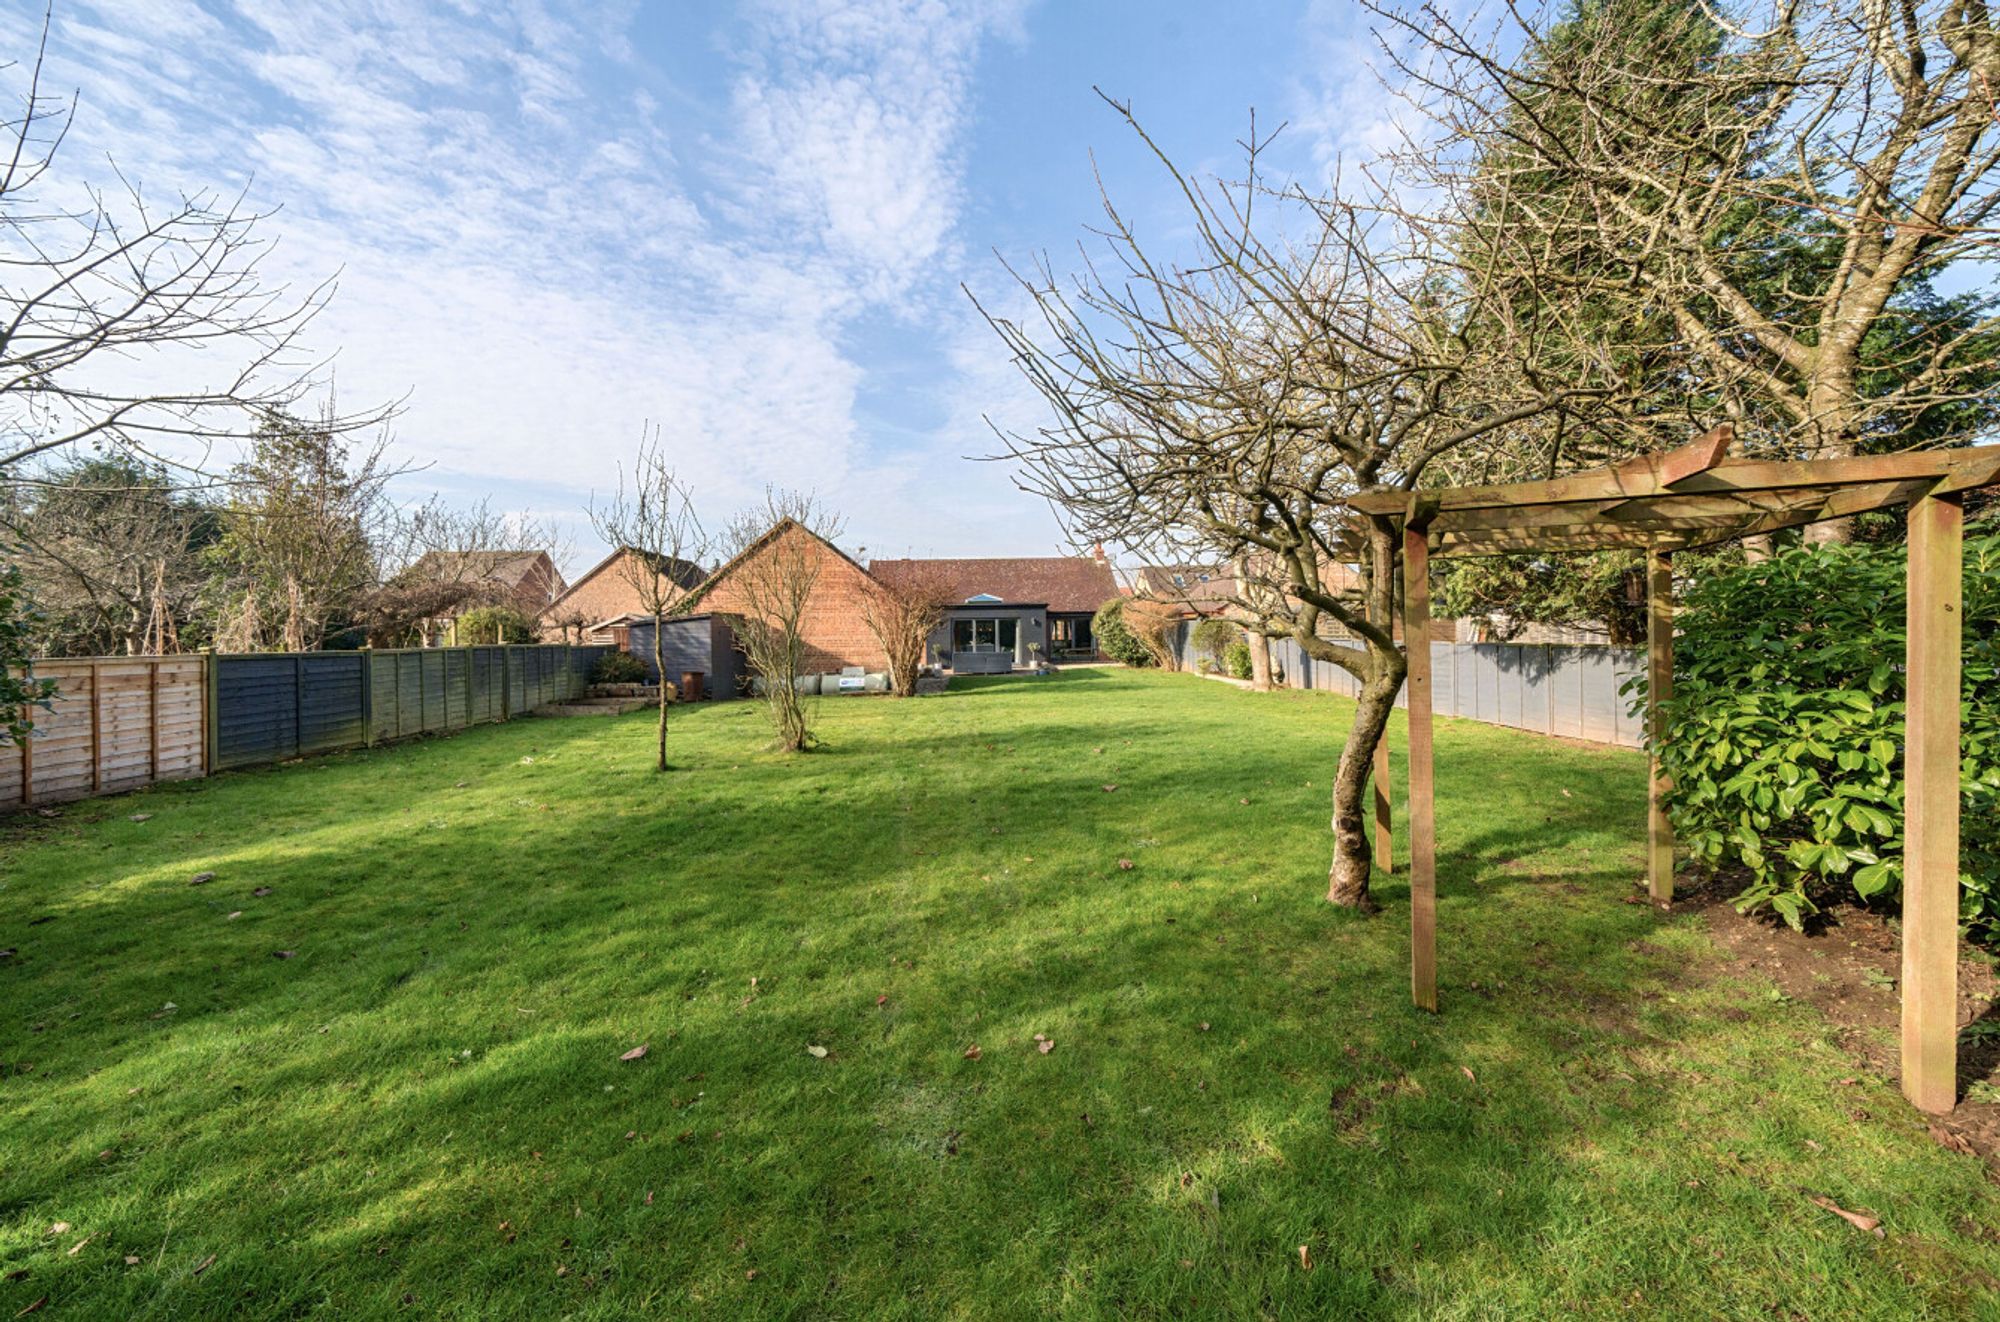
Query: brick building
[835,628]
[591,608]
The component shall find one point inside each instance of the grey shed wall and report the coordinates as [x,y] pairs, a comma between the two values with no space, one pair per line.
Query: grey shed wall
[693,642]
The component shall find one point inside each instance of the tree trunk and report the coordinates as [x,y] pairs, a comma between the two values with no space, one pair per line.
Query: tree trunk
[1347,880]
[1260,663]
[660,668]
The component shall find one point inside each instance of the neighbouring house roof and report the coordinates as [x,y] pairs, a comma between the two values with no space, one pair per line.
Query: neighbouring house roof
[1202,588]
[1065,582]
[684,572]
[526,580]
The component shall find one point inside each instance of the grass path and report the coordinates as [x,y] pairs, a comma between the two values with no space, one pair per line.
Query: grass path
[422,1111]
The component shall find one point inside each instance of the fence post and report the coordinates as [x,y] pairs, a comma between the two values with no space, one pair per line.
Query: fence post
[506,683]
[211,682]
[367,697]
[153,697]
[96,731]
[27,758]
[468,689]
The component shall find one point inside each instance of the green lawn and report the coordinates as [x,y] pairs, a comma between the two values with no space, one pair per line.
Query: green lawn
[424,1109]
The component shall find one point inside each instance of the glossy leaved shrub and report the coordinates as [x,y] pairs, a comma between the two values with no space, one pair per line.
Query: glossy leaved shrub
[1785,730]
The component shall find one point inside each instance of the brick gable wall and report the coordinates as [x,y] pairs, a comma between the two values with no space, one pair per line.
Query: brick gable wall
[835,628]
[600,597]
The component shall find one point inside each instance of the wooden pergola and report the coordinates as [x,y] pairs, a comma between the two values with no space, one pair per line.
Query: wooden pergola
[1695,496]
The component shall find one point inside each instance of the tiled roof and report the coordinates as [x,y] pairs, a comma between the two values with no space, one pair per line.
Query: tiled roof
[1064,582]
[501,568]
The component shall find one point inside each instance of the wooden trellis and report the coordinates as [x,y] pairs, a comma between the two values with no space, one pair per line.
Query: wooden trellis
[1695,496]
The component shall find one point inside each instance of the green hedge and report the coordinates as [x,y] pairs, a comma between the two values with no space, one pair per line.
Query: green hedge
[1115,638]
[1785,730]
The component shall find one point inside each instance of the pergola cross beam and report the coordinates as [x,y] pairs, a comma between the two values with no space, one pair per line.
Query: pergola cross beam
[1695,496]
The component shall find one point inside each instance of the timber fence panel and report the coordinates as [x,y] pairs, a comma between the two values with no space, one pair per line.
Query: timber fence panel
[120,723]
[116,723]
[1571,690]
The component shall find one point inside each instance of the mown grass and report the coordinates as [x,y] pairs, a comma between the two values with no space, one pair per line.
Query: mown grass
[424,1111]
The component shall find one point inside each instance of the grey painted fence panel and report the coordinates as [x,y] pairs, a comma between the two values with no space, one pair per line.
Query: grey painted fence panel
[1574,690]
[269,708]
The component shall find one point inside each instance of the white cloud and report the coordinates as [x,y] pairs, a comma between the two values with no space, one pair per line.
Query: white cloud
[523,248]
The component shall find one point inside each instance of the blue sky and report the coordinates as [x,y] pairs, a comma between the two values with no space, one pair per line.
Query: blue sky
[749,224]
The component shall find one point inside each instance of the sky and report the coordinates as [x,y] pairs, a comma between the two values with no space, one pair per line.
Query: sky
[751,225]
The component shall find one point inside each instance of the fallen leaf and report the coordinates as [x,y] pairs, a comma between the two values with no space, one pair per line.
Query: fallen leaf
[77,1247]
[649,1197]
[201,879]
[881,1000]
[1110,789]
[1305,1258]
[1467,1072]
[635,1053]
[816,1052]
[142,817]
[1244,802]
[59,1228]
[972,1052]
[1859,1220]
[205,1264]
[131,1260]
[1953,1140]
[1125,865]
[1046,1045]
[35,1307]
[233,916]
[1204,1025]
[750,1275]
[261,891]
[283,954]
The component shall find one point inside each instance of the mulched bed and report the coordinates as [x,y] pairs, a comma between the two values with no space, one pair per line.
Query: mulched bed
[1848,969]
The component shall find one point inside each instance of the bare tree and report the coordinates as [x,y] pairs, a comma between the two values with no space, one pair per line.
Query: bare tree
[902,613]
[1769,200]
[1223,407]
[653,516]
[99,300]
[111,552]
[780,553]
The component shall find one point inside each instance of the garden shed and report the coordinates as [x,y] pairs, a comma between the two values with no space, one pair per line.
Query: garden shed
[704,643]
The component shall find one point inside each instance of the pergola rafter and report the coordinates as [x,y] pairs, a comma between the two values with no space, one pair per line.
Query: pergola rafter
[1697,495]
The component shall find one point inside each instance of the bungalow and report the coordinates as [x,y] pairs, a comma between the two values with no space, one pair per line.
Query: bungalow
[1011,611]
[1005,613]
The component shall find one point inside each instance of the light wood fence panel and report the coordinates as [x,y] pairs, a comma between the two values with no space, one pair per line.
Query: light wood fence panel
[117,723]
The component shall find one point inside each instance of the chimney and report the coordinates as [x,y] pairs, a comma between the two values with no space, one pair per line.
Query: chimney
[1097,551]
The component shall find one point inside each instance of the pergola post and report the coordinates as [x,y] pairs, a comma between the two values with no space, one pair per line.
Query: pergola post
[1930,804]
[1385,840]
[1422,811]
[1659,688]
